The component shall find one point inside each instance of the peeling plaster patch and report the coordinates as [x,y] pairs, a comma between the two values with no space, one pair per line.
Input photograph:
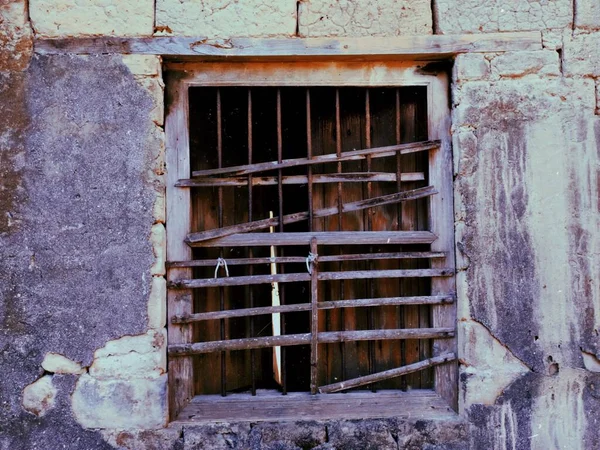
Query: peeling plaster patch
[39,396]
[487,366]
[120,404]
[57,363]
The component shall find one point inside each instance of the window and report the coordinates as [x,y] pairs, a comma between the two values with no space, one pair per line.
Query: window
[354,289]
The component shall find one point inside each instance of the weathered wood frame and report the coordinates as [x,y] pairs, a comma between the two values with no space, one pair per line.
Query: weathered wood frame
[366,74]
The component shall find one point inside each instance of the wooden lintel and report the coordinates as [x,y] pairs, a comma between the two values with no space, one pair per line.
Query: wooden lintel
[203,48]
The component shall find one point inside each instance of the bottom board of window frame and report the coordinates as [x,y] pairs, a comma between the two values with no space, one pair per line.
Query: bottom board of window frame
[271,406]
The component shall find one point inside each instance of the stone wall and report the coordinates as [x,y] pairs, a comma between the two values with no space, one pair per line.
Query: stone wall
[82,234]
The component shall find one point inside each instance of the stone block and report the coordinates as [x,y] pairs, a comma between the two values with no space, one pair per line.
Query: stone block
[129,366]
[39,396]
[92,18]
[552,39]
[476,16]
[359,18]
[144,65]
[159,211]
[580,55]
[157,303]
[16,43]
[587,14]
[56,363]
[142,343]
[470,66]
[158,238]
[518,64]
[226,18]
[155,87]
[120,404]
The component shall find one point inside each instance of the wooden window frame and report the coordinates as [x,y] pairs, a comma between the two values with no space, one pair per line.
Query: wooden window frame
[183,75]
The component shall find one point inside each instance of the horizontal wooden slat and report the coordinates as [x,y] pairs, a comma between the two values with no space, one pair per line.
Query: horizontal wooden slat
[245,312]
[354,155]
[387,374]
[326,337]
[302,259]
[398,273]
[324,238]
[413,194]
[330,337]
[347,177]
[416,404]
[398,47]
[357,303]
[296,277]
[388,301]
[239,281]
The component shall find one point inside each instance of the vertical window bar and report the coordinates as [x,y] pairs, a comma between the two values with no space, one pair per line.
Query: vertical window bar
[309,155]
[402,324]
[369,223]
[280,198]
[314,322]
[338,152]
[220,214]
[250,252]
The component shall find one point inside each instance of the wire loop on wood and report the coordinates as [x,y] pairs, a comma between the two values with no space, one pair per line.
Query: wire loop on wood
[310,260]
[221,263]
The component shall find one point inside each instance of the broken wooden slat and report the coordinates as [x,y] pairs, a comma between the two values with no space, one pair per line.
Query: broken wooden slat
[326,337]
[245,312]
[348,177]
[379,152]
[387,374]
[239,344]
[324,238]
[248,312]
[302,259]
[194,238]
[295,277]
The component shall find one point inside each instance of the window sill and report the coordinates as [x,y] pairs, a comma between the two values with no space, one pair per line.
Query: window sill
[271,406]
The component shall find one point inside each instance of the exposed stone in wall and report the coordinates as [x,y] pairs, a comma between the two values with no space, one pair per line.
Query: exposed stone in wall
[477,16]
[92,18]
[226,18]
[376,434]
[359,18]
[39,396]
[55,363]
[16,42]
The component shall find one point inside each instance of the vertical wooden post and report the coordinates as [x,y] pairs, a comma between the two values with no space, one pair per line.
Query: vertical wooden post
[442,224]
[179,302]
[314,317]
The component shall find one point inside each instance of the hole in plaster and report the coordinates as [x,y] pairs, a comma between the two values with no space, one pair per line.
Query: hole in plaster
[535,338]
[553,369]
